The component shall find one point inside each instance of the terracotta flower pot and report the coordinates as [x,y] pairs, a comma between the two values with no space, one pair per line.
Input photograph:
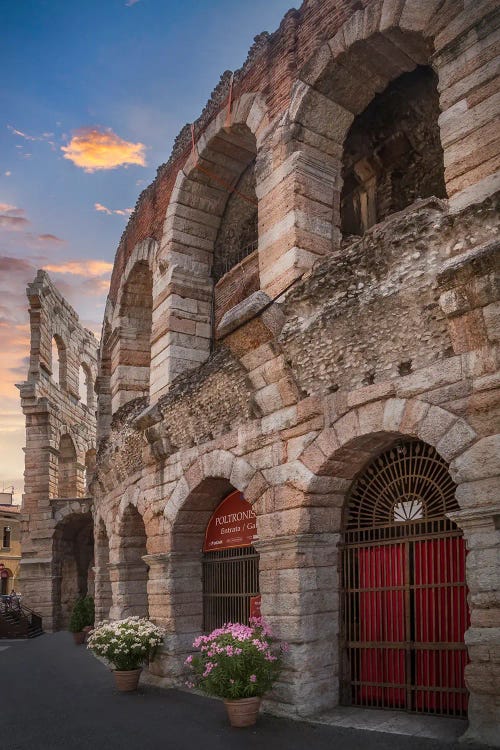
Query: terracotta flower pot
[243,712]
[79,638]
[127,680]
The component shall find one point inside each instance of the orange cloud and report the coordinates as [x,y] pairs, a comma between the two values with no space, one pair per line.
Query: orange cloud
[110,211]
[93,149]
[81,267]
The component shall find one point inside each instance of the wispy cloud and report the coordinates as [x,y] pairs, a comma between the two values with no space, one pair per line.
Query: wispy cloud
[27,137]
[93,149]
[87,268]
[109,211]
[13,220]
[129,3]
[50,238]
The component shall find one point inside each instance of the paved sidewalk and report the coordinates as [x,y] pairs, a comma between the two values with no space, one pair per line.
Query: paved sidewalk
[56,696]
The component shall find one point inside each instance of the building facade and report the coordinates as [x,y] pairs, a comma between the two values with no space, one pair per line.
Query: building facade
[303,319]
[58,401]
[10,550]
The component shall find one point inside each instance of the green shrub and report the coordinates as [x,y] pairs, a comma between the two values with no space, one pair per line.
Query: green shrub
[78,618]
[89,611]
[82,615]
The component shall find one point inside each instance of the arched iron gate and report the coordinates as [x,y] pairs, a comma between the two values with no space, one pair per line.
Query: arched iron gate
[404,597]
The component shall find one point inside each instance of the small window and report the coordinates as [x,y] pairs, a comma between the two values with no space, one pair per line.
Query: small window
[6,537]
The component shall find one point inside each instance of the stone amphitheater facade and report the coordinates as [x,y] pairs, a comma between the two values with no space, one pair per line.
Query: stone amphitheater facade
[310,281]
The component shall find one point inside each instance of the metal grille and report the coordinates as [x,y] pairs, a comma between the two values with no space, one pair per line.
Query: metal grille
[230,580]
[404,596]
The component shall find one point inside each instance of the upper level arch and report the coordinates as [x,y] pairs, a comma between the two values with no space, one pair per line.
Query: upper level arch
[126,350]
[210,238]
[374,48]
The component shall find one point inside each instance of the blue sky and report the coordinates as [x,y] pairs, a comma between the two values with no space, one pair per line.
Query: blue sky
[112,82]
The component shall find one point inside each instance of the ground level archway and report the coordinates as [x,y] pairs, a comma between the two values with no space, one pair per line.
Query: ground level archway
[73,564]
[404,595]
[230,564]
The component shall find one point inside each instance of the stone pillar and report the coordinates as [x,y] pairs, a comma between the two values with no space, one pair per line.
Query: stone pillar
[129,586]
[176,603]
[299,587]
[103,592]
[481,527]
[39,585]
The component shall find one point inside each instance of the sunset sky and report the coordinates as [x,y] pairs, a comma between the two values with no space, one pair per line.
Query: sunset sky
[92,98]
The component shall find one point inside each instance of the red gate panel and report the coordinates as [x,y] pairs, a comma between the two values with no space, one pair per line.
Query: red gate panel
[441,619]
[382,620]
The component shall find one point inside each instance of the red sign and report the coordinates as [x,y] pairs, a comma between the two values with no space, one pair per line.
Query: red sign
[232,525]
[255,605]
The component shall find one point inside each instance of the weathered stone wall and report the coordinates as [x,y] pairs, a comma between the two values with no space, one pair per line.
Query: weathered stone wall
[344,349]
[60,440]
[290,461]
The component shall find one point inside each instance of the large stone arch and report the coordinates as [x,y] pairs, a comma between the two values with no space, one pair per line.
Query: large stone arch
[182,315]
[73,559]
[128,567]
[345,447]
[129,343]
[373,47]
[339,454]
[204,484]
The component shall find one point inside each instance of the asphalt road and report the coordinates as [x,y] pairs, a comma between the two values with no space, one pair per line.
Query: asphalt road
[56,696]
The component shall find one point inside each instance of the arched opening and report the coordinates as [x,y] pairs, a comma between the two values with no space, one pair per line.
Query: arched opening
[130,378]
[59,364]
[73,564]
[235,267]
[392,152]
[103,592]
[6,580]
[404,595]
[134,571]
[85,386]
[67,478]
[103,384]
[219,580]
[230,564]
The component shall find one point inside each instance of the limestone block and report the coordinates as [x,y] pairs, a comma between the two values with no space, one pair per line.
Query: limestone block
[393,414]
[455,440]
[480,461]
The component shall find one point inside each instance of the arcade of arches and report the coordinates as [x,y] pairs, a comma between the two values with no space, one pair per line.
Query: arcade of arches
[302,336]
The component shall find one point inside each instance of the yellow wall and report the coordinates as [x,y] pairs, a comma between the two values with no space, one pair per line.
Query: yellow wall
[11,556]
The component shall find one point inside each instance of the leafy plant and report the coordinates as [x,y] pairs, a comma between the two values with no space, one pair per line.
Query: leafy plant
[78,618]
[236,661]
[89,611]
[126,644]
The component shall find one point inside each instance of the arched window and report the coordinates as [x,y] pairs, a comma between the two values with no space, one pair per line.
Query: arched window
[130,378]
[133,539]
[393,153]
[86,386]
[58,361]
[404,596]
[235,267]
[67,470]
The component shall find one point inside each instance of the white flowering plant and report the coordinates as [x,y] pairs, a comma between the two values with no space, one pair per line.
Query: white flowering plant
[126,644]
[236,661]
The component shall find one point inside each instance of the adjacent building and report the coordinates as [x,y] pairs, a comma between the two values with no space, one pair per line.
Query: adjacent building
[10,550]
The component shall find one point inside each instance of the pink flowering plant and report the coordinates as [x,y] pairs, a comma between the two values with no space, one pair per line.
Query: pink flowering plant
[126,644]
[236,661]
